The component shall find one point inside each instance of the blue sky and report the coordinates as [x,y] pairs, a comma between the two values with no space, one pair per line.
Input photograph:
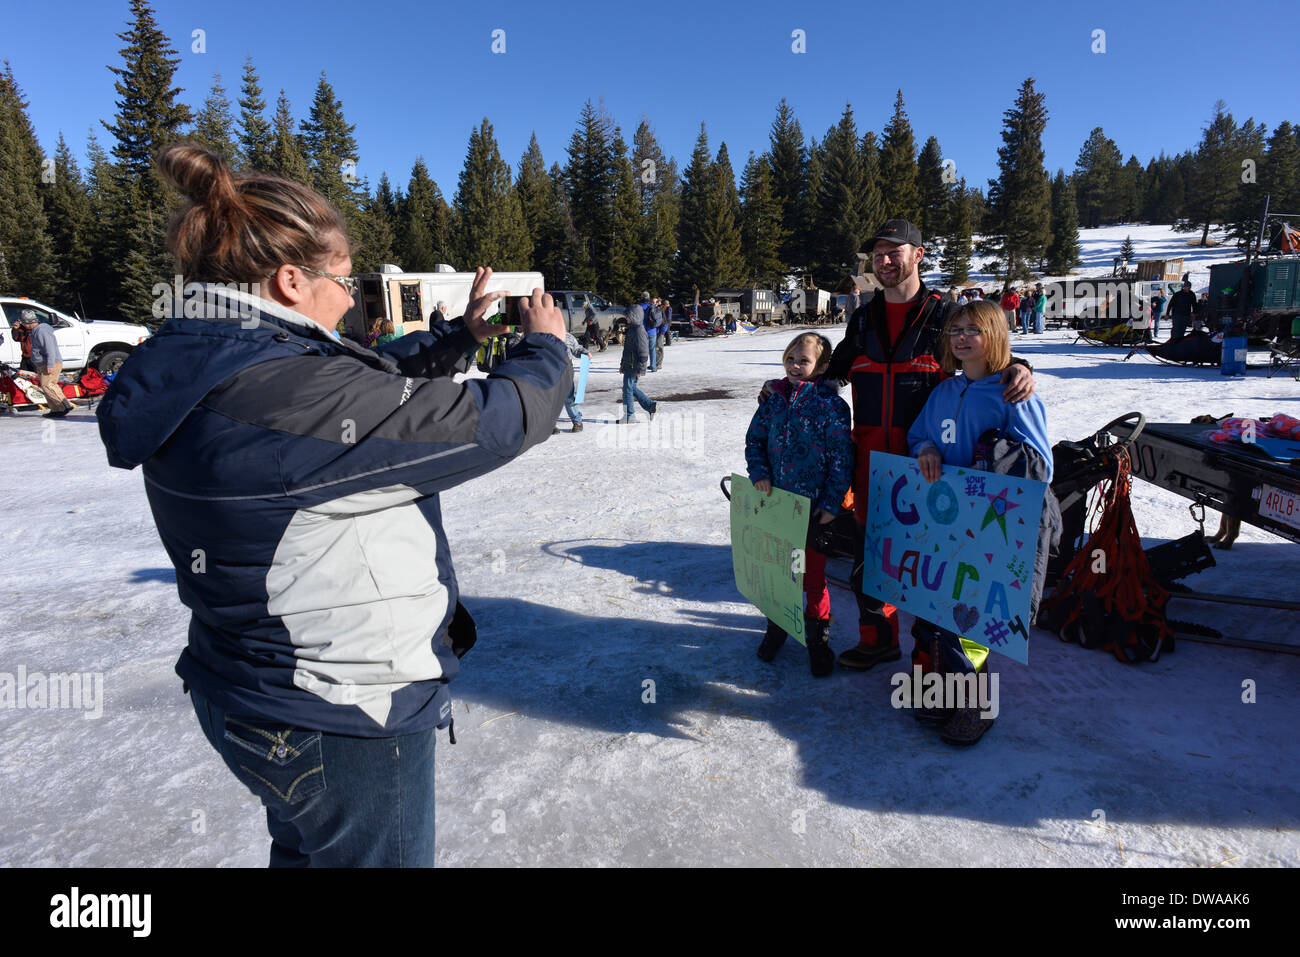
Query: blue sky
[416,77]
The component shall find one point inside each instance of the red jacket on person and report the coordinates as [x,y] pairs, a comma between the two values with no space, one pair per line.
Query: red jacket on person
[891,380]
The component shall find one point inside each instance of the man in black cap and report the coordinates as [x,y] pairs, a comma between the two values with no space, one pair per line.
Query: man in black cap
[890,353]
[1181,307]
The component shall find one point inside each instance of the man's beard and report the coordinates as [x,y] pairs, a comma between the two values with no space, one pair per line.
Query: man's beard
[905,271]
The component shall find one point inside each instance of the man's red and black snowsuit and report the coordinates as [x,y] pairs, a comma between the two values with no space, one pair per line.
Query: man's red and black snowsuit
[891,377]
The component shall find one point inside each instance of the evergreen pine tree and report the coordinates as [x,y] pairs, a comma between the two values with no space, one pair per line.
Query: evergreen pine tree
[1215,174]
[935,192]
[1247,204]
[898,170]
[286,157]
[149,116]
[330,149]
[1096,180]
[788,159]
[589,181]
[955,263]
[102,184]
[691,263]
[68,209]
[1281,169]
[1130,190]
[839,228]
[722,226]
[423,235]
[1020,199]
[543,219]
[26,252]
[871,203]
[1063,251]
[761,233]
[561,274]
[810,207]
[214,127]
[256,136]
[619,274]
[488,226]
[375,236]
[1126,251]
[1165,189]
[658,189]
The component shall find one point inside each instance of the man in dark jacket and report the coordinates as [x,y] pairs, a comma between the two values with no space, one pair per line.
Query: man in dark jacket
[1181,306]
[890,355]
[636,358]
[48,363]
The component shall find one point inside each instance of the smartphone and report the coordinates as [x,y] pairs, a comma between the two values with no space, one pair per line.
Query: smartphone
[509,315]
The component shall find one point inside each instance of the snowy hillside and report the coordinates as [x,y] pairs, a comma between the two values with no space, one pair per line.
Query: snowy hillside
[599,562]
[1099,247]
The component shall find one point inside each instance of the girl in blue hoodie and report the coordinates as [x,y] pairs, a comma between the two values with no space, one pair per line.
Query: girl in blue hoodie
[800,440]
[966,422]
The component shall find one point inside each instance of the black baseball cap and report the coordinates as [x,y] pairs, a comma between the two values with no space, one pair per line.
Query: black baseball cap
[896,231]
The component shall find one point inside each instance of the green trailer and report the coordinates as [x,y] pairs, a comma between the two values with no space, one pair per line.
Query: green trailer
[1272,294]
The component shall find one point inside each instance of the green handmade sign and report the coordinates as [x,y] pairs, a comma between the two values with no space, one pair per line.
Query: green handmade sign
[768,534]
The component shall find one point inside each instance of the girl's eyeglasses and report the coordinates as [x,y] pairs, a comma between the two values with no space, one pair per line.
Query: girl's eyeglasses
[347,282]
[970,332]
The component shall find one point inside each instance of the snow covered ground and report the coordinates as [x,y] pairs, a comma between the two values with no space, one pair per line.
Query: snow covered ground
[600,561]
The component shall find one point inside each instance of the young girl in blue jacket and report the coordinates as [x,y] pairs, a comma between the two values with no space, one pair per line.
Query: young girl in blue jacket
[967,422]
[800,440]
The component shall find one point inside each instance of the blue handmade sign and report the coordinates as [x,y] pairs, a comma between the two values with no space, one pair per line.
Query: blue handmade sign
[584,365]
[958,552]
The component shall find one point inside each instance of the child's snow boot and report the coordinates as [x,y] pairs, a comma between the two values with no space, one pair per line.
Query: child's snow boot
[820,657]
[877,642]
[772,641]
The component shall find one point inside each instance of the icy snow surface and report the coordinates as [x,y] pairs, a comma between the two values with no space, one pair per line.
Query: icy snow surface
[599,561]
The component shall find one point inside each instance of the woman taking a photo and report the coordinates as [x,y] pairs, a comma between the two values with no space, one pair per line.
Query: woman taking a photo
[294,480]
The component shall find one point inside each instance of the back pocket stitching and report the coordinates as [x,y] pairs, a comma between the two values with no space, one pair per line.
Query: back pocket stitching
[287,798]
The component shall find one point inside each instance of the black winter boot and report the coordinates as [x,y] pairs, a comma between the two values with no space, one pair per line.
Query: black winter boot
[772,641]
[821,660]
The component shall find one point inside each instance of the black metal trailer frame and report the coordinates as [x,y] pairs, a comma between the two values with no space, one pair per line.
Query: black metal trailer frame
[1232,478]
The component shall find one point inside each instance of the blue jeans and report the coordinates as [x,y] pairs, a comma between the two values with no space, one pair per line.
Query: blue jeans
[575,416]
[1038,321]
[630,392]
[652,352]
[331,800]
[1025,318]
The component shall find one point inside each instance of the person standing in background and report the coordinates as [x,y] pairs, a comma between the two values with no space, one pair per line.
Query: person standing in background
[48,363]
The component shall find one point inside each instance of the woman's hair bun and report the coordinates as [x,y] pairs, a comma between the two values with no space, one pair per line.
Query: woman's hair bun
[201,175]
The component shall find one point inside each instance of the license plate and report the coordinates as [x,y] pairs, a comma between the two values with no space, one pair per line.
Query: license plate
[1279,505]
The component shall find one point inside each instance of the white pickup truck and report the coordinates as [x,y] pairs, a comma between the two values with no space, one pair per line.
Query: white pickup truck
[82,342]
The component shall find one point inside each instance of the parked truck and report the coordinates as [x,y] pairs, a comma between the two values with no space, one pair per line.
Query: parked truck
[610,320]
[82,342]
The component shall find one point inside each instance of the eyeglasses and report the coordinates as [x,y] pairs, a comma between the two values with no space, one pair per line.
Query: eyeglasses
[970,332]
[347,282]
